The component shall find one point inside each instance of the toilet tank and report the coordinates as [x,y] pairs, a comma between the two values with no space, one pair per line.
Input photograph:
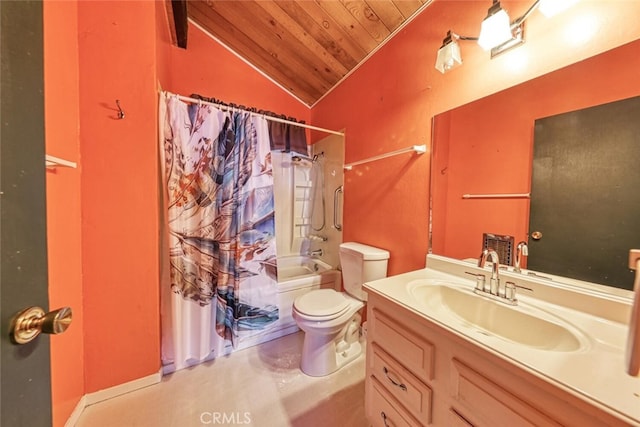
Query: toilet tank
[361,264]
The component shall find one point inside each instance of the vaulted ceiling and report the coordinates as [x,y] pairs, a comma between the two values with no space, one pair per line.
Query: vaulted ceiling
[307,47]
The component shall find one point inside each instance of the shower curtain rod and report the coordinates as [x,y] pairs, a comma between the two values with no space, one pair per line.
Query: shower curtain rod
[273,119]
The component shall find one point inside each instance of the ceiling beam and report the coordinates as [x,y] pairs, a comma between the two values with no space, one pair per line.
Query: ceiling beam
[178,24]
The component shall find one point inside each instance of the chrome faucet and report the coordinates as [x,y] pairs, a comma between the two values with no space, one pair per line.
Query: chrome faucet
[521,250]
[494,283]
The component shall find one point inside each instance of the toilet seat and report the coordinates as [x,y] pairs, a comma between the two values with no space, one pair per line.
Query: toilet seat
[322,304]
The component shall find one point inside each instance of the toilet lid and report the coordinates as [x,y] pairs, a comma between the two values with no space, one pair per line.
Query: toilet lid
[321,302]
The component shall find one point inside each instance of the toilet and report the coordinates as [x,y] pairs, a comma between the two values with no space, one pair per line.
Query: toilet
[331,319]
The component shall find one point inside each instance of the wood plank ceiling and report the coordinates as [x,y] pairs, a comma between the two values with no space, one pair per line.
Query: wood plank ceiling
[305,46]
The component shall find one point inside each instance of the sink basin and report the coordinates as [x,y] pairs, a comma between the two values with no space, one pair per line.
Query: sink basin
[522,324]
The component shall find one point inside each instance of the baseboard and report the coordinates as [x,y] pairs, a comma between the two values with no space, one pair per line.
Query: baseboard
[170,367]
[269,336]
[111,392]
[75,415]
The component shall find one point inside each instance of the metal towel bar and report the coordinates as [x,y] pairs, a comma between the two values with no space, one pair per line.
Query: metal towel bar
[497,196]
[419,149]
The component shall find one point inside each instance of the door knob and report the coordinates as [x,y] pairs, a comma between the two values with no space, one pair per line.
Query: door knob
[29,323]
[536,235]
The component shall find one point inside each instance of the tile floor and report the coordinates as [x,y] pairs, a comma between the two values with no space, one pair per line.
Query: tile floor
[259,386]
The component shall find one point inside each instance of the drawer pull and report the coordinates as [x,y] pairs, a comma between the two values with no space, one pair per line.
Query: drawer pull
[384,419]
[395,383]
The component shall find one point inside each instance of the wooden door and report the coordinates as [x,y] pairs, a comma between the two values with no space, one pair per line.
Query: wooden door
[25,398]
[585,197]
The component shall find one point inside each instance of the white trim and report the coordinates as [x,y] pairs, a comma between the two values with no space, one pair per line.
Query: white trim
[75,415]
[117,390]
[170,367]
[109,393]
[217,40]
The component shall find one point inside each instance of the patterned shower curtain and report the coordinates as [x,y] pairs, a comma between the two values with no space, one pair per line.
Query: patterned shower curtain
[219,207]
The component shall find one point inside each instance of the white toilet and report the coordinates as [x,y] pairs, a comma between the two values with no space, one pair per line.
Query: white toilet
[331,319]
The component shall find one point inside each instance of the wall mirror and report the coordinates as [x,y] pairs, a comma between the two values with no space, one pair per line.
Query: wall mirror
[482,155]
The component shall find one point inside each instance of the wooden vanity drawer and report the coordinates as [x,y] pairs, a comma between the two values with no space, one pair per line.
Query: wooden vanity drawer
[412,393]
[383,410]
[457,420]
[412,351]
[488,404]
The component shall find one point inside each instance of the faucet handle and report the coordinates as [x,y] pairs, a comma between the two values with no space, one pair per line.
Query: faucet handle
[480,280]
[510,292]
[523,247]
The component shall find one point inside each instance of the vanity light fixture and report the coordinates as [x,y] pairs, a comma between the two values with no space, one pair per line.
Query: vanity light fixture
[497,32]
[516,29]
[449,53]
[496,27]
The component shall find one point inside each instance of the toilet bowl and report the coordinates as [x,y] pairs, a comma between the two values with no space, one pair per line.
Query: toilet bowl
[330,319]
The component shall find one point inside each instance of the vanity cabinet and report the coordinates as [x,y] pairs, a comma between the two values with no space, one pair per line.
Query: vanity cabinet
[419,373]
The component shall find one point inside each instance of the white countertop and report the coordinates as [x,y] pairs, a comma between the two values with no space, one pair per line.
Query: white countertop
[595,373]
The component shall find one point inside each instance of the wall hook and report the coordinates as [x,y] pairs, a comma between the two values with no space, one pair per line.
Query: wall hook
[120,112]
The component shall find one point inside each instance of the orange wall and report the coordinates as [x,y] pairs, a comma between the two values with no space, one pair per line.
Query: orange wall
[388,104]
[488,155]
[117,53]
[63,202]
[125,53]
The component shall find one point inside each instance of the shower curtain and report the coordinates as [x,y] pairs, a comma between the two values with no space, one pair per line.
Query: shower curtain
[219,207]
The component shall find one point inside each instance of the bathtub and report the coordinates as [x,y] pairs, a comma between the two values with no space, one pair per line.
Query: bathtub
[295,271]
[296,275]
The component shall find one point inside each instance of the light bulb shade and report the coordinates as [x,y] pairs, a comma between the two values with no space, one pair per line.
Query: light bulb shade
[495,30]
[448,57]
[550,8]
